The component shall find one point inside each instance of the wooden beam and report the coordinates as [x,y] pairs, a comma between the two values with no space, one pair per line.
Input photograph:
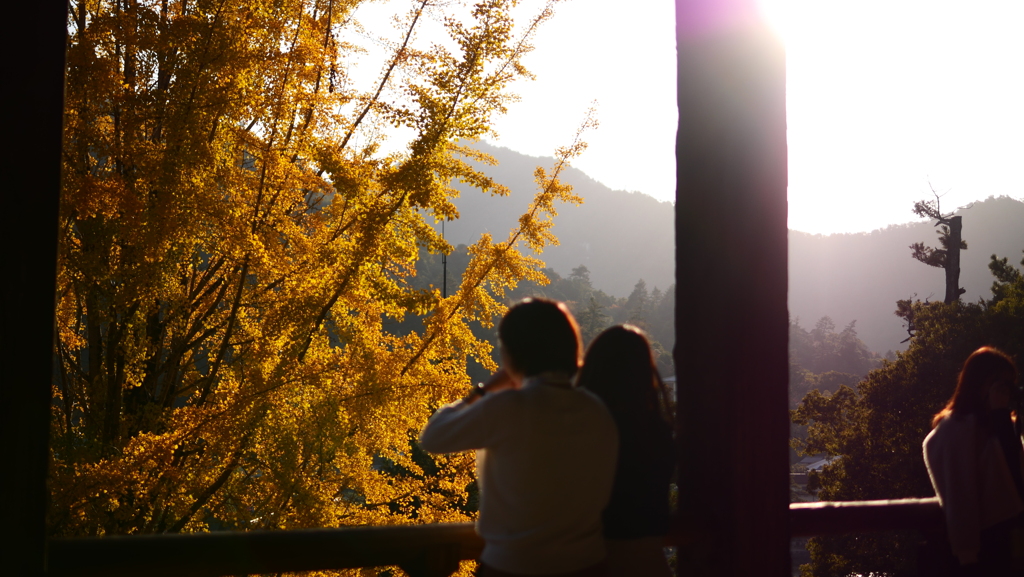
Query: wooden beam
[731,275]
[420,550]
[33,113]
[833,518]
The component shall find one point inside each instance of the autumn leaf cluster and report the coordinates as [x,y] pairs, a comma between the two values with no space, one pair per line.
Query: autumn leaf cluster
[236,241]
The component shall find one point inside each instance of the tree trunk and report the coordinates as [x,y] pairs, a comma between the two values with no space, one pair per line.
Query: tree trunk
[952,267]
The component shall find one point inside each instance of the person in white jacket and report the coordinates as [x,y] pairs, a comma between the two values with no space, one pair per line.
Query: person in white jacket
[546,450]
[976,463]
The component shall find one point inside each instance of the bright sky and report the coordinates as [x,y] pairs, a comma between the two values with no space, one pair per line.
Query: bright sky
[884,97]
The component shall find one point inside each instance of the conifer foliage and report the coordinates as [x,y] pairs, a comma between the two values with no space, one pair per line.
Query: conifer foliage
[234,244]
[876,429]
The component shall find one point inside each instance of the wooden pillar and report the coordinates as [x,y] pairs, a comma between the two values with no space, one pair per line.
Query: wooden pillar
[731,272]
[33,111]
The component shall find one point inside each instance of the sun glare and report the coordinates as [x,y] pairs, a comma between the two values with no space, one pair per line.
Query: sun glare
[884,98]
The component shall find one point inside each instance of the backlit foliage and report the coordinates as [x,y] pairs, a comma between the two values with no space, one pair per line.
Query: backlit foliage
[233,244]
[877,427]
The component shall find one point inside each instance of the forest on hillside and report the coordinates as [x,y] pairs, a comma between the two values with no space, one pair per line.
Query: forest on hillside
[872,427]
[859,277]
[624,236]
[649,308]
[619,236]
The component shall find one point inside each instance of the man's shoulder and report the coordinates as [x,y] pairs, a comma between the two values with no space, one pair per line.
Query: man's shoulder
[576,395]
[578,399]
[600,415]
[504,401]
[590,396]
[595,403]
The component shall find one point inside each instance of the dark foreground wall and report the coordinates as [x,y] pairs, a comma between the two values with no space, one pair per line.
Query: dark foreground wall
[33,110]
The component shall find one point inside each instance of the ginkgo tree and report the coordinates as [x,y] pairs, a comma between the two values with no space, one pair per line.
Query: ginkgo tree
[235,239]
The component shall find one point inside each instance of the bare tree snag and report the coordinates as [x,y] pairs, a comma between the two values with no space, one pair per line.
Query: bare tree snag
[953,290]
[947,257]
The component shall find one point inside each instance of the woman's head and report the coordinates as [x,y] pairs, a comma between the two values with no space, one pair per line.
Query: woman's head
[987,370]
[619,367]
[538,336]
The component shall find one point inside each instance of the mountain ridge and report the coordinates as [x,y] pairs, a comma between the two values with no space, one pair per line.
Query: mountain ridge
[623,236]
[589,234]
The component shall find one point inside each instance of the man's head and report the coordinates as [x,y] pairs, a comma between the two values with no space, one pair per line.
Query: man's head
[539,335]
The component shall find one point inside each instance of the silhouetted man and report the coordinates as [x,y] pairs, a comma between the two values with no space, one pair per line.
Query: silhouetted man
[546,450]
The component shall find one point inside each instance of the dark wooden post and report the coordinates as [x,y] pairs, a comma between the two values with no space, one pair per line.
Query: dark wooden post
[731,271]
[33,112]
[953,290]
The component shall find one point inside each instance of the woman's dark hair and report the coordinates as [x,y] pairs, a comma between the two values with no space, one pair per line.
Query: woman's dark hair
[539,335]
[981,370]
[619,368]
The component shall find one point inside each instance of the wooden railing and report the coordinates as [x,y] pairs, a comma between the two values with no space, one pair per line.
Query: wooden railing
[419,550]
[831,518]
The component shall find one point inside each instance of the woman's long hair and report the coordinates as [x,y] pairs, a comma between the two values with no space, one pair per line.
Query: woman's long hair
[981,370]
[619,368]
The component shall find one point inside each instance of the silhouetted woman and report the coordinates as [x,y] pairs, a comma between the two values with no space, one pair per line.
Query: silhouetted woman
[619,368]
[976,463]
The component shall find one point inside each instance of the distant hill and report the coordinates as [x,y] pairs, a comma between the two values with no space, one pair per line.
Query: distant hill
[861,276]
[619,236]
[625,236]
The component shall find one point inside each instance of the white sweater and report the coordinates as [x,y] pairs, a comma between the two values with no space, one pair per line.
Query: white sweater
[972,480]
[545,463]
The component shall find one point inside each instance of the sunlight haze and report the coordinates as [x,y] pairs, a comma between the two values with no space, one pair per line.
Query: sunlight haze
[885,99]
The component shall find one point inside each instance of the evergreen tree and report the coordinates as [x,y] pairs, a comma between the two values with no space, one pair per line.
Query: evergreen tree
[638,305]
[1006,277]
[577,289]
[877,428]
[581,274]
[663,319]
[822,349]
[592,320]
